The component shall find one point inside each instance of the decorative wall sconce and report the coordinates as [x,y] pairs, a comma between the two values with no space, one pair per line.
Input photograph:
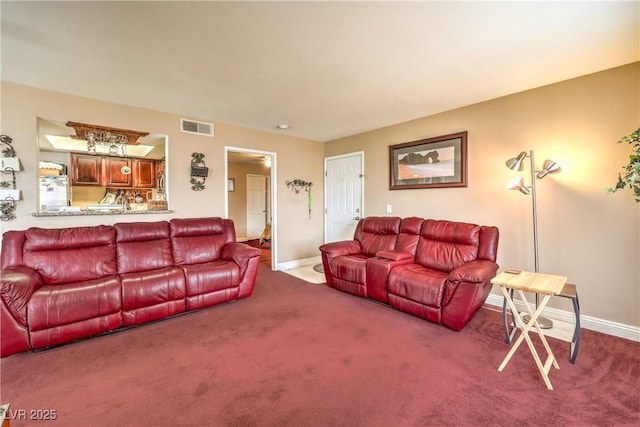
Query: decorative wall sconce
[298,184]
[199,172]
[9,195]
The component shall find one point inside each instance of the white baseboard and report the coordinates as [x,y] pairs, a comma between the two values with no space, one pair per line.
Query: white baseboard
[298,263]
[587,322]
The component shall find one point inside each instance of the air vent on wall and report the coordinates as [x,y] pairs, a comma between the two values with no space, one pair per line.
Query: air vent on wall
[200,128]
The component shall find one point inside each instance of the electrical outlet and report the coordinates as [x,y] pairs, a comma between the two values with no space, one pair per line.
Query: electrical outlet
[389,209]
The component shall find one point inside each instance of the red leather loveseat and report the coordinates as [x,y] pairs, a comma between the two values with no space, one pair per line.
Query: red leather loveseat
[59,285]
[440,271]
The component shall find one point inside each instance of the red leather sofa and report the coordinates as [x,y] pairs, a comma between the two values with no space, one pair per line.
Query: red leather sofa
[440,271]
[60,285]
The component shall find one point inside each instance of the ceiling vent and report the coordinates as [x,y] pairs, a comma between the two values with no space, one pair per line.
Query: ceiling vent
[189,126]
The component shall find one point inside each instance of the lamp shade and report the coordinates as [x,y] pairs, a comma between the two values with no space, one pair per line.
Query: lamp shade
[548,167]
[516,162]
[517,183]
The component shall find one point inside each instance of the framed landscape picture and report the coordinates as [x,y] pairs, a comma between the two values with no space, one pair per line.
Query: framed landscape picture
[429,163]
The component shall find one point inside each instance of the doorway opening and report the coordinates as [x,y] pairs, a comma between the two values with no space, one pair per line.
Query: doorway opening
[250,198]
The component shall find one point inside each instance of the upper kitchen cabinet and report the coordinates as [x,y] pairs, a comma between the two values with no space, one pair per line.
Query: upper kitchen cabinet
[86,170]
[113,172]
[117,172]
[144,173]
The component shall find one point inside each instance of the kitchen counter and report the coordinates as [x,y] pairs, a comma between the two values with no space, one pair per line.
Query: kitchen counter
[99,212]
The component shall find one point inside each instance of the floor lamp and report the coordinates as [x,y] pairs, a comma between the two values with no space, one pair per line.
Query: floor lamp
[517,183]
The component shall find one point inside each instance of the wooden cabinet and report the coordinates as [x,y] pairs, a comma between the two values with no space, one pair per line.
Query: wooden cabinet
[117,172]
[86,170]
[144,173]
[113,172]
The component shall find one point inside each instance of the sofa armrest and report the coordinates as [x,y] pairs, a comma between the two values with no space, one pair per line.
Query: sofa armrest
[17,285]
[378,269]
[240,253]
[345,247]
[333,250]
[477,271]
[395,255]
[465,291]
[248,259]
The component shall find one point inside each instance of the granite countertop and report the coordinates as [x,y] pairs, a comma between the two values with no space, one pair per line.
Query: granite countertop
[100,212]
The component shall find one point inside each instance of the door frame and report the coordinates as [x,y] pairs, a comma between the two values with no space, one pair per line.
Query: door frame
[273,172]
[340,156]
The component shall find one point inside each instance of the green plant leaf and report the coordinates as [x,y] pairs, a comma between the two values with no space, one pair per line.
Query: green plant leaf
[632,169]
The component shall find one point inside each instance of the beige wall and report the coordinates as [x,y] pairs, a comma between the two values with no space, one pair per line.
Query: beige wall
[21,106]
[584,233]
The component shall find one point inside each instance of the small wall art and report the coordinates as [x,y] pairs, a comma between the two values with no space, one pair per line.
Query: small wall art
[297,185]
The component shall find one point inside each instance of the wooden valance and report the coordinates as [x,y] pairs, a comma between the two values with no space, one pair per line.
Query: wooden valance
[82,129]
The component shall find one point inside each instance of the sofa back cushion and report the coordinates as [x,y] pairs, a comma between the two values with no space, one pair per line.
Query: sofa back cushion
[70,255]
[409,235]
[446,245]
[143,246]
[200,240]
[377,234]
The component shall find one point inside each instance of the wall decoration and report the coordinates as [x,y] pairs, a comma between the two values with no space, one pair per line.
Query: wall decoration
[297,185]
[9,195]
[199,172]
[231,184]
[114,139]
[429,163]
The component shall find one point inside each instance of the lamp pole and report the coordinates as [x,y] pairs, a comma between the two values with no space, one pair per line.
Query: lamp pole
[535,215]
[518,184]
[542,321]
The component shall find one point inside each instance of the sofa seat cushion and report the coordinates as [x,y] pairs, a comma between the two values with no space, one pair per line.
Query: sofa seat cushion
[211,283]
[152,295]
[54,305]
[418,284]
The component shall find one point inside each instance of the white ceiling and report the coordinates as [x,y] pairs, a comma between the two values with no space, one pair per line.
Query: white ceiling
[327,69]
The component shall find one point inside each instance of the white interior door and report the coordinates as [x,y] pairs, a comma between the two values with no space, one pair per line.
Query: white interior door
[344,187]
[256,205]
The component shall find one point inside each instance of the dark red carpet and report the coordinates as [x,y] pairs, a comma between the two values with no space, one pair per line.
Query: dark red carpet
[296,354]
